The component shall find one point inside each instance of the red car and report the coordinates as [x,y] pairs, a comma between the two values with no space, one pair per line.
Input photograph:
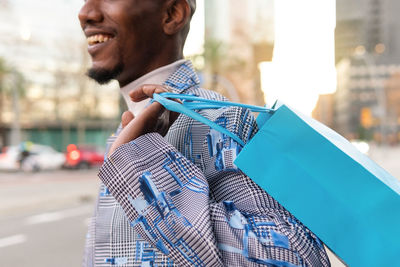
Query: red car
[83,156]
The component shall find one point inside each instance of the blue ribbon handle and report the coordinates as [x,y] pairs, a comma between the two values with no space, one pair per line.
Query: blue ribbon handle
[197,103]
[191,103]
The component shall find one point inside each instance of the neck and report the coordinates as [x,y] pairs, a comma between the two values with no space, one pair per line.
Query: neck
[161,60]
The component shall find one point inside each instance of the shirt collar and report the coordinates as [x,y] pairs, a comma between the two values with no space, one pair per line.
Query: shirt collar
[157,76]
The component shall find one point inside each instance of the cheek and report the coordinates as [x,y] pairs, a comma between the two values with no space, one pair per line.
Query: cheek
[140,38]
[108,57]
[138,30]
[143,24]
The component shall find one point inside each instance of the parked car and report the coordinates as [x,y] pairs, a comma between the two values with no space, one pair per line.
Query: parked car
[39,157]
[9,158]
[83,156]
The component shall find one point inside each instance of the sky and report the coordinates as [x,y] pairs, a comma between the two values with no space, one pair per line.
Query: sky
[303,64]
[55,18]
[195,39]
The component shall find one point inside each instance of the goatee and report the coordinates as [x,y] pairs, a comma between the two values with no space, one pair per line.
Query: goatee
[104,76]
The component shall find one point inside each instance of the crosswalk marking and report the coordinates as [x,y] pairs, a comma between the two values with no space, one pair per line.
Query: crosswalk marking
[12,240]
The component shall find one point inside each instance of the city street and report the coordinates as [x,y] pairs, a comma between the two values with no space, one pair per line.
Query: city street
[44,215]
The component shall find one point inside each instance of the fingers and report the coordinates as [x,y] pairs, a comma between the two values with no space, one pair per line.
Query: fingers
[135,127]
[126,118]
[145,91]
[156,116]
[153,112]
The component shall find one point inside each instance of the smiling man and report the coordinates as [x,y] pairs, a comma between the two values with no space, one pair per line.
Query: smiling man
[170,193]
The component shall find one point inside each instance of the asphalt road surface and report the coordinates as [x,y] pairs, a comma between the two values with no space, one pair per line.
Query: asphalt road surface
[44,217]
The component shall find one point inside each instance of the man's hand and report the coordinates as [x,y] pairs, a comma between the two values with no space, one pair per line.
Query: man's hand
[155,118]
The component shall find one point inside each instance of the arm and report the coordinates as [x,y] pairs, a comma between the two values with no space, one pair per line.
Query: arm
[154,184]
[165,198]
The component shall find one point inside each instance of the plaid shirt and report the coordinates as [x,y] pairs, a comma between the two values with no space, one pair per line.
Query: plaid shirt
[179,200]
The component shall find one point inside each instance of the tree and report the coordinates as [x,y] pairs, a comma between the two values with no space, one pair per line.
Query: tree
[3,72]
[215,63]
[12,85]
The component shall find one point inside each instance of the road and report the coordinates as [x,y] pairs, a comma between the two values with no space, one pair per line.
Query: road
[44,217]
[49,239]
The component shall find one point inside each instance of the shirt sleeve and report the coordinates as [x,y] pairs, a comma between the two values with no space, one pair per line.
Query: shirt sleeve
[209,216]
[166,198]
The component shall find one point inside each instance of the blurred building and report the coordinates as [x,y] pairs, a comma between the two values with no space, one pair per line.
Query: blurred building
[324,110]
[56,104]
[368,62]
[366,104]
[392,92]
[238,36]
[369,24]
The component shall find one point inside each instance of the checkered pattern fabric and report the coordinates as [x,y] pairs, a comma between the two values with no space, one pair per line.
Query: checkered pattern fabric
[179,200]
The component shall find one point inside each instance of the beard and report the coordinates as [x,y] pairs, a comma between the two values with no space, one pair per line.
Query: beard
[104,76]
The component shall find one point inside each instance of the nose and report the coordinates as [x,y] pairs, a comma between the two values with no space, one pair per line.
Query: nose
[90,12]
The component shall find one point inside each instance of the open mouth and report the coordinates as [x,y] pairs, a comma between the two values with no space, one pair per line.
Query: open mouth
[99,39]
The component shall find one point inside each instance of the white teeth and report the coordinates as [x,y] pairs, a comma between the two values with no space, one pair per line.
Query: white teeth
[98,38]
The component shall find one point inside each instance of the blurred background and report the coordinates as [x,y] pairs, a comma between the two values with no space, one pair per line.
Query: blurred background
[338,61]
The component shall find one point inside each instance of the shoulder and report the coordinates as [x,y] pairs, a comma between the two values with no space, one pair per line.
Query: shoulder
[238,120]
[204,93]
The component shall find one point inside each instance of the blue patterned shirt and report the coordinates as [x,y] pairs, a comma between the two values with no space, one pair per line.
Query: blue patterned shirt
[179,200]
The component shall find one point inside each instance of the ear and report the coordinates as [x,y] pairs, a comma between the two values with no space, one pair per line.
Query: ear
[177,14]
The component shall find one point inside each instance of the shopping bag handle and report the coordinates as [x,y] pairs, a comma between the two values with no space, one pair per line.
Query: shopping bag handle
[197,103]
[191,103]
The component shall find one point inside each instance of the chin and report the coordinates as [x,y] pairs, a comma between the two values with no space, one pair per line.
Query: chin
[103,75]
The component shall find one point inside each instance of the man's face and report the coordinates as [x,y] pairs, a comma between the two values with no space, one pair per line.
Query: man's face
[124,36]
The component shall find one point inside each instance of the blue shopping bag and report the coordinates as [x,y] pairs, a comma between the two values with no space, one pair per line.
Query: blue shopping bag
[346,199]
